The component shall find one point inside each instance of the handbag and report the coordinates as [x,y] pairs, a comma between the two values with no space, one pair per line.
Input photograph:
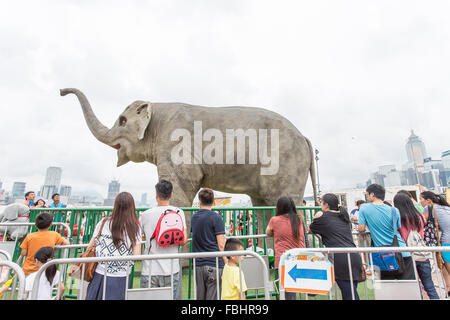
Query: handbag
[363,274]
[429,230]
[76,269]
[389,263]
[439,258]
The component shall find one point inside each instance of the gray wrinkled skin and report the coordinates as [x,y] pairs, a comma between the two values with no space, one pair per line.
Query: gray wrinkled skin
[145,136]
[14,213]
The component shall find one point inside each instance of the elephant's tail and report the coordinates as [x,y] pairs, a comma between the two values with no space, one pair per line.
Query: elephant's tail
[312,171]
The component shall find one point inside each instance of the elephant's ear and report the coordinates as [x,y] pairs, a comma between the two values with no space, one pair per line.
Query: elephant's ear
[11,212]
[144,113]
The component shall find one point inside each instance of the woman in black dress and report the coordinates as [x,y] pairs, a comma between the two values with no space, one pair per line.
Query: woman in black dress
[334,227]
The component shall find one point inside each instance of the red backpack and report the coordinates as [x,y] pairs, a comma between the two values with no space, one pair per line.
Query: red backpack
[170,229]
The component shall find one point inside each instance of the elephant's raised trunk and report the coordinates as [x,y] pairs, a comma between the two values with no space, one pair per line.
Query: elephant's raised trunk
[96,127]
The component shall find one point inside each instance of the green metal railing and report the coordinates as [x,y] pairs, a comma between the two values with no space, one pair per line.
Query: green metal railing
[237,221]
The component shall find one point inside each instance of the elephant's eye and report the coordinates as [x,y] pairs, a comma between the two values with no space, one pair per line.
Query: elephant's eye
[122,121]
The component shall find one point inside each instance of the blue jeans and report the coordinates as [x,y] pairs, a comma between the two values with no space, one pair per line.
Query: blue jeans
[424,271]
[346,289]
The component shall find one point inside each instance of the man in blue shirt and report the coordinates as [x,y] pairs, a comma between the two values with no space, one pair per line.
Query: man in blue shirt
[383,222]
[57,204]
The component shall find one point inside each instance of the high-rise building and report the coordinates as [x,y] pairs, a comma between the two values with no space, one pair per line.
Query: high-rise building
[143,200]
[384,170]
[430,179]
[430,164]
[53,176]
[51,183]
[416,152]
[113,191]
[446,165]
[65,191]
[18,189]
[392,179]
[377,178]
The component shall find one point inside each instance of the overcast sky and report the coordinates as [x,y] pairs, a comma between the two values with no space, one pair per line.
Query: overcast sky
[353,76]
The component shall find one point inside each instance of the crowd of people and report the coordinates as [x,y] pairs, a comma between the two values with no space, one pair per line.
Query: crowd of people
[30,202]
[164,230]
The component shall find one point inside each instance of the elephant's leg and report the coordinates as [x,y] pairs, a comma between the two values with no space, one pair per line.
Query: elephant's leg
[185,181]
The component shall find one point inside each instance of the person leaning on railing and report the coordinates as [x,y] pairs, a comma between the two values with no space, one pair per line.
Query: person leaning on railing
[287,230]
[384,223]
[334,226]
[437,205]
[412,220]
[42,238]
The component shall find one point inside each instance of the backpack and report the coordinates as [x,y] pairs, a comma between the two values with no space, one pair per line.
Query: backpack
[415,240]
[169,229]
[429,230]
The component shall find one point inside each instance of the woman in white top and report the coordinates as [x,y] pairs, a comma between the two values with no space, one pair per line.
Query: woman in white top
[49,278]
[120,236]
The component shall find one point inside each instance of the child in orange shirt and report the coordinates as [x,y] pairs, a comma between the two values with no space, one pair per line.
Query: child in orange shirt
[42,238]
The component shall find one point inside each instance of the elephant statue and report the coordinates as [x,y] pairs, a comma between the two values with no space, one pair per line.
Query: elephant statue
[230,149]
[14,213]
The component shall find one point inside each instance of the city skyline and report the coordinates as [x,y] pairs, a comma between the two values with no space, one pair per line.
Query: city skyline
[418,169]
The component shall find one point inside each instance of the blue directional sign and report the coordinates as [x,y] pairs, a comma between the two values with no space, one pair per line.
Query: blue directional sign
[301,273]
[307,272]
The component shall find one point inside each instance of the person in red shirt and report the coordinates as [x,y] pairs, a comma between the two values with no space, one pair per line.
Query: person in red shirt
[287,230]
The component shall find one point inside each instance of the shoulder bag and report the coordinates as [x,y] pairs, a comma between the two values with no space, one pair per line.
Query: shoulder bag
[76,269]
[390,263]
[429,230]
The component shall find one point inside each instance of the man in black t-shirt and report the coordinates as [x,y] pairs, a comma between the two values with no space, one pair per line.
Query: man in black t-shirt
[208,235]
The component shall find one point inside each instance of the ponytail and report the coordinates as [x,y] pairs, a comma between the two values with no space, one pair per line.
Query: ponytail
[343,214]
[50,273]
[435,198]
[438,199]
[333,203]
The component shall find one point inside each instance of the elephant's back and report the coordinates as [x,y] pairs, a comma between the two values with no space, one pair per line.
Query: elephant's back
[228,117]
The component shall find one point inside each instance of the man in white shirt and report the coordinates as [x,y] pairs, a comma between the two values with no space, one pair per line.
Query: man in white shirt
[161,271]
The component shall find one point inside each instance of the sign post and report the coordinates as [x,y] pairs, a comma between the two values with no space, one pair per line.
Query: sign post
[307,272]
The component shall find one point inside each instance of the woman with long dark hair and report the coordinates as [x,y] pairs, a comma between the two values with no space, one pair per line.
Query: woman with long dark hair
[287,230]
[119,235]
[435,205]
[412,220]
[334,226]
